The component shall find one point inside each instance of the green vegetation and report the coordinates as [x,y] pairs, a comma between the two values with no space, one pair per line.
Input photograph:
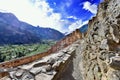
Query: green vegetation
[8,52]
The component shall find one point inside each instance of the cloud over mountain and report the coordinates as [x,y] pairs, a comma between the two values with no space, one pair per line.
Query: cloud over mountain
[57,14]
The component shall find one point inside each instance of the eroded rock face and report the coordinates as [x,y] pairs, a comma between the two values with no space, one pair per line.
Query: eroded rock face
[101,55]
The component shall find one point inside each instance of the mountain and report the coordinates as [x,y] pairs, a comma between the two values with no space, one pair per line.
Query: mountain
[13,31]
[10,33]
[84,28]
[43,33]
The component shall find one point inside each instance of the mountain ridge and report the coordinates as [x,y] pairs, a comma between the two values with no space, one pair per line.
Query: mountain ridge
[14,31]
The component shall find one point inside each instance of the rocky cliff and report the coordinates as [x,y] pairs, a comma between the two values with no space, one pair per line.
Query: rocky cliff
[100,49]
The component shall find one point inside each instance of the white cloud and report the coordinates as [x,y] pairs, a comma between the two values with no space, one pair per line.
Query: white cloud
[73,17]
[39,13]
[76,25]
[90,7]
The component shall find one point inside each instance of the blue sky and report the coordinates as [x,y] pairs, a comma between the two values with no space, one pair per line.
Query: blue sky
[63,15]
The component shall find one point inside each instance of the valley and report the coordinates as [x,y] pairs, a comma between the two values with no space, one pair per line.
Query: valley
[9,52]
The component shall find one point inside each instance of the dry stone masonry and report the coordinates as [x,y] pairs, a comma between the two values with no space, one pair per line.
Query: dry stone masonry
[101,46]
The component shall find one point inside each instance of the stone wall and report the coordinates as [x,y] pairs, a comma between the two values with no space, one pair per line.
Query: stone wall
[69,39]
[100,52]
[51,67]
